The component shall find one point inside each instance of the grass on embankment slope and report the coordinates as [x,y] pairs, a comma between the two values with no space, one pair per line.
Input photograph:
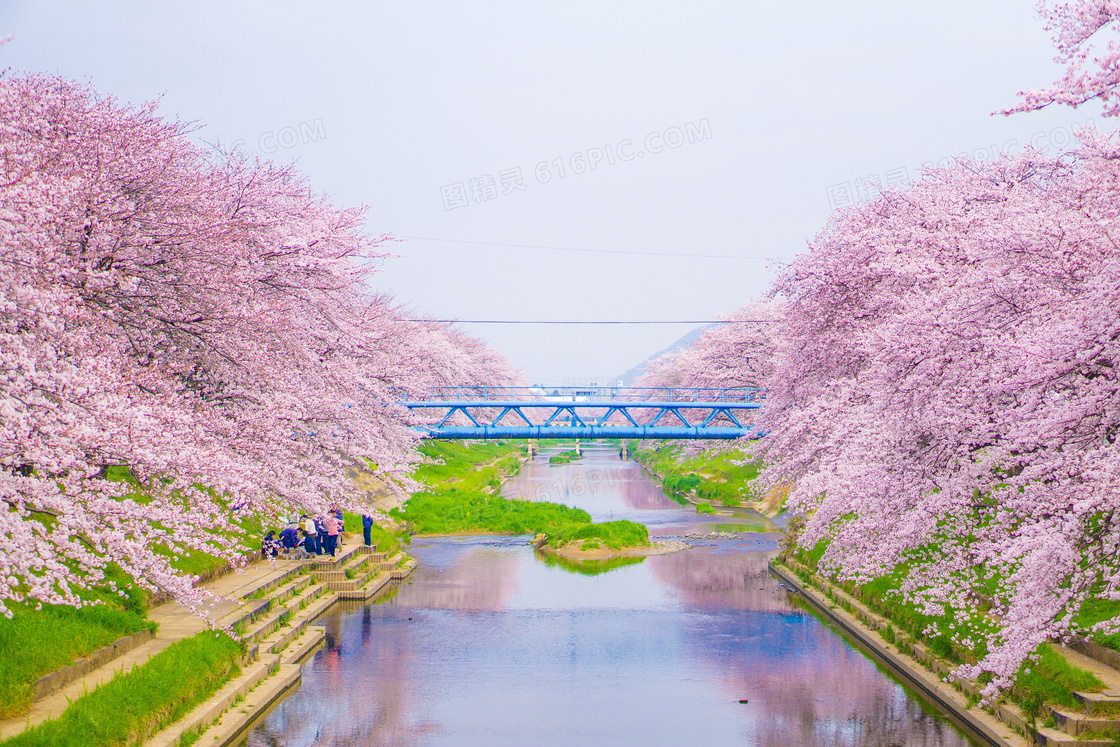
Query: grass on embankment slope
[1050,680]
[36,642]
[708,476]
[131,706]
[461,498]
[43,638]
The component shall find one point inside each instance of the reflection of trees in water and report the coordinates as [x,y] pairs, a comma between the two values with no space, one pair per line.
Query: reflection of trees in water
[481,579]
[834,697]
[595,474]
[363,703]
[729,580]
[806,686]
[356,693]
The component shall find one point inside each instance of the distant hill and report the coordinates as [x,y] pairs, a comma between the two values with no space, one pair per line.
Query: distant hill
[628,378]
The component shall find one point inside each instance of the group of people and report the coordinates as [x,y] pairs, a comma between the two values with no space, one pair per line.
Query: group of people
[306,537]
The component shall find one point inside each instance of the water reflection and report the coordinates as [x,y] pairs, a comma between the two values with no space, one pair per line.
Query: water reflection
[646,654]
[486,644]
[600,483]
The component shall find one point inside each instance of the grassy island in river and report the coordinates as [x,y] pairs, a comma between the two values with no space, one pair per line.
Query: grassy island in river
[461,497]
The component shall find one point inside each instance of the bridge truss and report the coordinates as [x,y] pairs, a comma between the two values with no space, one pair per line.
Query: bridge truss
[588,412]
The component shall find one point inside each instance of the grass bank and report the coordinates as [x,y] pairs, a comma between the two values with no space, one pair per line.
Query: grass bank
[1049,681]
[461,498]
[40,639]
[36,642]
[132,706]
[723,478]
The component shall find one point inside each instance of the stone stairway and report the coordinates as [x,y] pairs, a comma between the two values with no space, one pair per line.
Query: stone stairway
[270,607]
[276,625]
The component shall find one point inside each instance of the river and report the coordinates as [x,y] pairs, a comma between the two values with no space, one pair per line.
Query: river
[489,643]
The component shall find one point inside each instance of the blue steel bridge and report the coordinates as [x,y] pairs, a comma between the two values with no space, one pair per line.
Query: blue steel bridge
[484,412]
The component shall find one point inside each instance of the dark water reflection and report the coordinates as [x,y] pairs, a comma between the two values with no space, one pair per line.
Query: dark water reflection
[487,645]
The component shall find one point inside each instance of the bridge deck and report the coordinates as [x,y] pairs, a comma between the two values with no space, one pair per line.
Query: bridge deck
[604,412]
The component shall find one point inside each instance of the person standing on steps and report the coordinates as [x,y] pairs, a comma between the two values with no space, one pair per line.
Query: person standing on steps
[367,529]
[333,529]
[341,525]
[321,532]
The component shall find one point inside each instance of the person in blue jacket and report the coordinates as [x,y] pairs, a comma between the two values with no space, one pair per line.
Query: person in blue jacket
[367,528]
[289,538]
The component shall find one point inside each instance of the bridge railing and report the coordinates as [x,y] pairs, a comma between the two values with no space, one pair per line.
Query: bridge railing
[594,394]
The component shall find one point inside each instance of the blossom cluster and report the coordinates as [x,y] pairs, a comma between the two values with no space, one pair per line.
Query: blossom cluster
[202,319]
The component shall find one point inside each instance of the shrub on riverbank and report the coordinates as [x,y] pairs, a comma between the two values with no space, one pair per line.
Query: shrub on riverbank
[461,499]
[564,457]
[614,534]
[454,511]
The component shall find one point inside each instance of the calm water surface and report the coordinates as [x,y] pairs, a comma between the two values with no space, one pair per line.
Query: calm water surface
[487,643]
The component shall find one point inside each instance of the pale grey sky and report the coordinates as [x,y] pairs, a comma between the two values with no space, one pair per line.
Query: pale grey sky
[399,106]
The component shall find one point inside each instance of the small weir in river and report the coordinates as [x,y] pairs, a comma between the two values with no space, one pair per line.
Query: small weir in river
[489,642]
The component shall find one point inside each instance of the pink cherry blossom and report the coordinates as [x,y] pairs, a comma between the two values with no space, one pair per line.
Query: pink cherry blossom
[1085,36]
[204,320]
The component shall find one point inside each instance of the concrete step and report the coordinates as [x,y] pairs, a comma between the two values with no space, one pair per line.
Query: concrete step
[346,572]
[277,616]
[282,636]
[208,712]
[243,586]
[310,641]
[355,583]
[231,727]
[344,555]
[403,570]
[1080,724]
[293,588]
[374,583]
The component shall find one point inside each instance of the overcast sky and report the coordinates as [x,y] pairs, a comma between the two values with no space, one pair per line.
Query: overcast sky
[715,129]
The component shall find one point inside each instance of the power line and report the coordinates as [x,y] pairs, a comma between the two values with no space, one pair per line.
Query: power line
[585,321]
[592,251]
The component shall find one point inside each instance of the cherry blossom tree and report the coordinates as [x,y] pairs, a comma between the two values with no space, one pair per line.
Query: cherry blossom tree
[1084,34]
[945,394]
[730,355]
[199,318]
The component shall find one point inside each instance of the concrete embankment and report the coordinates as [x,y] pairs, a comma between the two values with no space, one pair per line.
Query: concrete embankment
[979,723]
[1093,724]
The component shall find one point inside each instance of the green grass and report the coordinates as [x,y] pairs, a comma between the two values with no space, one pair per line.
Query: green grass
[564,457]
[1097,610]
[704,508]
[460,463]
[592,567]
[461,499]
[614,534]
[149,697]
[1052,679]
[454,511]
[708,476]
[36,642]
